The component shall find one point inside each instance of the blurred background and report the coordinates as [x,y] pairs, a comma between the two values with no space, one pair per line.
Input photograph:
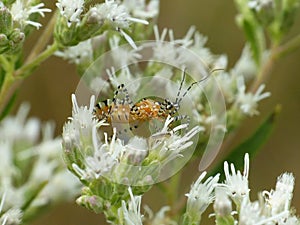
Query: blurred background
[49,92]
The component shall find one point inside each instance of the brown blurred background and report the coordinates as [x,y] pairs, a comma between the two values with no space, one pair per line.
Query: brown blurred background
[48,90]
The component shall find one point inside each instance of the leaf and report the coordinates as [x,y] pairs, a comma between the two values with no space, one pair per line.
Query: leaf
[251,145]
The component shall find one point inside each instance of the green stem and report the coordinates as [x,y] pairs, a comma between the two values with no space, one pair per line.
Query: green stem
[13,80]
[43,39]
[288,47]
[5,63]
[264,72]
[24,71]
[8,88]
[277,52]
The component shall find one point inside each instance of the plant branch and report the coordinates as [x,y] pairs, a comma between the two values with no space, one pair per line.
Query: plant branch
[23,71]
[43,39]
[277,52]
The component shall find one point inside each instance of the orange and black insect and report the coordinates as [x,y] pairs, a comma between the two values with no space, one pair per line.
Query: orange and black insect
[124,111]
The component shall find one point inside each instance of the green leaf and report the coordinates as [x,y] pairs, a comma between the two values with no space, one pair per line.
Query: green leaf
[251,145]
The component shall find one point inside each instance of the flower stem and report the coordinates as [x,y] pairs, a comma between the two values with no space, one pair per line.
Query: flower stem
[288,47]
[43,39]
[13,80]
[5,63]
[25,70]
[277,52]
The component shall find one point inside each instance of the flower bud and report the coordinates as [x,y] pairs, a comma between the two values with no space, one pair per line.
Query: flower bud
[93,203]
[6,24]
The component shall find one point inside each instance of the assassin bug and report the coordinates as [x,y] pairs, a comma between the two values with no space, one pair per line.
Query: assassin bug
[123,110]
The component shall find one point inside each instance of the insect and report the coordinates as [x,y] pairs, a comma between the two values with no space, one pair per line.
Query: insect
[124,111]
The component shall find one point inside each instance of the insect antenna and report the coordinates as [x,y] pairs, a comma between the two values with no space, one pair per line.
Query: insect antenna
[178,98]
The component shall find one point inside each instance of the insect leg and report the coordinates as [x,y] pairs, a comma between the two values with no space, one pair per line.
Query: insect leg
[125,100]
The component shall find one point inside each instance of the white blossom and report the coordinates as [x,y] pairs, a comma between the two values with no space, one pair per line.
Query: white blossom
[201,194]
[17,128]
[131,211]
[169,143]
[160,217]
[279,200]
[236,182]
[81,53]
[250,213]
[71,10]
[12,216]
[257,5]
[118,16]
[164,52]
[247,101]
[245,66]
[140,9]
[222,203]
[122,56]
[22,9]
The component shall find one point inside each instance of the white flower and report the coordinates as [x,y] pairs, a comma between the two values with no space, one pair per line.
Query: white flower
[198,47]
[247,102]
[169,143]
[131,212]
[124,76]
[250,213]
[118,16]
[83,116]
[227,83]
[79,127]
[97,84]
[222,204]
[140,9]
[7,167]
[16,128]
[236,183]
[122,57]
[160,217]
[22,9]
[291,220]
[71,10]
[164,51]
[279,200]
[201,195]
[257,5]
[105,156]
[12,216]
[81,53]
[245,66]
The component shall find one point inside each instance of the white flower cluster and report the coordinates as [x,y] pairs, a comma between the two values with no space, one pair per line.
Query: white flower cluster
[78,54]
[30,165]
[232,83]
[71,10]
[21,11]
[273,208]
[112,156]
[119,15]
